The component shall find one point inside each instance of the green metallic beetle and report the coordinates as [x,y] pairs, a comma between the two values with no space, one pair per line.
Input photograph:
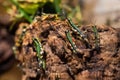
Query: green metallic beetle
[97,40]
[70,40]
[39,51]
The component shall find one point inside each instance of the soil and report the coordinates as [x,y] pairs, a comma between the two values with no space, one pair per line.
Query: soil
[90,62]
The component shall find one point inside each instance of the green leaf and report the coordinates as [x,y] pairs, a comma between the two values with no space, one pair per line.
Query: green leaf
[57,5]
[25,15]
[31,8]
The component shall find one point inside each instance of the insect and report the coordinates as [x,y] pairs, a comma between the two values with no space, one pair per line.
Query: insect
[20,39]
[97,41]
[49,16]
[39,51]
[23,33]
[70,40]
[75,28]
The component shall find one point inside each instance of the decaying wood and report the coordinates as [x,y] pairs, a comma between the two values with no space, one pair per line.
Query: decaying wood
[89,63]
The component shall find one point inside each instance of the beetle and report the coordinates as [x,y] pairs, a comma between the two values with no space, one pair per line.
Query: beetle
[39,51]
[97,40]
[70,40]
[76,29]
